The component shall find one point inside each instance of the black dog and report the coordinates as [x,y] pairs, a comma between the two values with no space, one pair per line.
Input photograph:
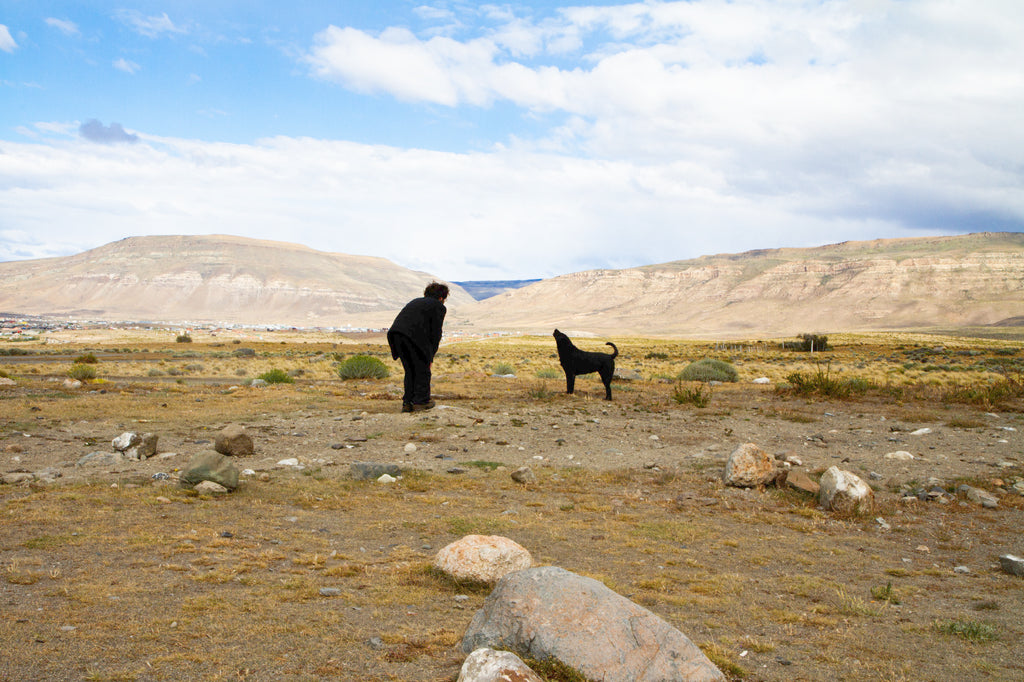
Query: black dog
[575,361]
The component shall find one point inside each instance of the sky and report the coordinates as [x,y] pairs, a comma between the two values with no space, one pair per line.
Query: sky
[509,141]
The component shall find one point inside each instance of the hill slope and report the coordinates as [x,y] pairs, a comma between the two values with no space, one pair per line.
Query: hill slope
[216,278]
[965,280]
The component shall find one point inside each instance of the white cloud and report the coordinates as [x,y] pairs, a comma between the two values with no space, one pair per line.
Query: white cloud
[68,28]
[7,43]
[530,214]
[150,27]
[126,65]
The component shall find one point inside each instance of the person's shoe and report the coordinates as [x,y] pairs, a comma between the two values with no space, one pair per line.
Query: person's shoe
[406,407]
[419,407]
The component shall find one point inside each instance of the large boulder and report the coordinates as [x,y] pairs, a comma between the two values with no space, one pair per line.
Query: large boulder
[482,558]
[210,466]
[845,492]
[488,665]
[233,441]
[549,612]
[749,467]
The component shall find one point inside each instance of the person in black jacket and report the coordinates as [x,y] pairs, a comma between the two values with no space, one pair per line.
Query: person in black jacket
[414,337]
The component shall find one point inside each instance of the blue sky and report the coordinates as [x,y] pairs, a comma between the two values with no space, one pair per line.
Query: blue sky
[518,140]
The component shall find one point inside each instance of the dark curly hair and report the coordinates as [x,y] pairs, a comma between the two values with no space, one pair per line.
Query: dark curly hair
[436,290]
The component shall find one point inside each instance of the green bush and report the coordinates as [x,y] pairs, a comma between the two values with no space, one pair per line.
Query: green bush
[363,367]
[503,368]
[548,373]
[277,376]
[82,372]
[87,359]
[183,338]
[709,369]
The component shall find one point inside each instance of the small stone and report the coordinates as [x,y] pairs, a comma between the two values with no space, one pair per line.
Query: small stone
[210,488]
[524,475]
[901,455]
[410,448]
[330,592]
[386,478]
[961,569]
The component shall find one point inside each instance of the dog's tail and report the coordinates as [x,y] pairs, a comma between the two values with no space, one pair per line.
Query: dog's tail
[616,353]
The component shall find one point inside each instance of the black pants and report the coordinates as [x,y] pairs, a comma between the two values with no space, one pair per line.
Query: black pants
[417,371]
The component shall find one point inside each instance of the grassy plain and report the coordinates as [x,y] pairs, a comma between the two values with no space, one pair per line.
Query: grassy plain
[311,575]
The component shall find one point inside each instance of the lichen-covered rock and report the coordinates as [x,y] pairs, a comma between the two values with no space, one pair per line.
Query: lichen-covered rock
[482,558]
[749,466]
[549,612]
[488,665]
[210,466]
[843,491]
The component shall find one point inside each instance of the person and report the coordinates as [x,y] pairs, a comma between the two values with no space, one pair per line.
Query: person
[414,337]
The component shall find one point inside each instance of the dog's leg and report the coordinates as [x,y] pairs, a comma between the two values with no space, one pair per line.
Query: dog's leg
[570,382]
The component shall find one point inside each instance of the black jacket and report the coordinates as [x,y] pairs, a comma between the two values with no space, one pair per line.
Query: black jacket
[419,321]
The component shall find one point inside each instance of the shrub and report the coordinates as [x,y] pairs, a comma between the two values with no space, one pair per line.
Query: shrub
[970,629]
[504,368]
[363,367]
[823,383]
[685,395]
[183,338]
[82,372]
[548,373]
[709,369]
[276,376]
[87,359]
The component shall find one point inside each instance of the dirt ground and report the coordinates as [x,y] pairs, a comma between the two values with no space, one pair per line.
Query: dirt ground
[116,573]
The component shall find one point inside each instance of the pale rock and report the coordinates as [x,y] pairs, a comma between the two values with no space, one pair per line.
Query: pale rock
[799,480]
[548,612]
[749,466]
[72,383]
[126,440]
[7,381]
[233,441]
[289,462]
[144,449]
[921,432]
[488,665]
[386,478]
[844,491]
[524,475]
[410,448]
[762,380]
[901,455]
[1012,564]
[979,496]
[101,459]
[482,558]
[210,488]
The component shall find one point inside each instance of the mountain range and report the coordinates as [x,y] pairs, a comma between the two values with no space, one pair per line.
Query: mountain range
[888,284]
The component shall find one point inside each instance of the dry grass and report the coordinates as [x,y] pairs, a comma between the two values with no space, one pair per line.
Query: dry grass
[315,576]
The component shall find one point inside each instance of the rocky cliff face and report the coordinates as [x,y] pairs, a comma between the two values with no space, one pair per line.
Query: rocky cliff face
[212,279]
[885,284]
